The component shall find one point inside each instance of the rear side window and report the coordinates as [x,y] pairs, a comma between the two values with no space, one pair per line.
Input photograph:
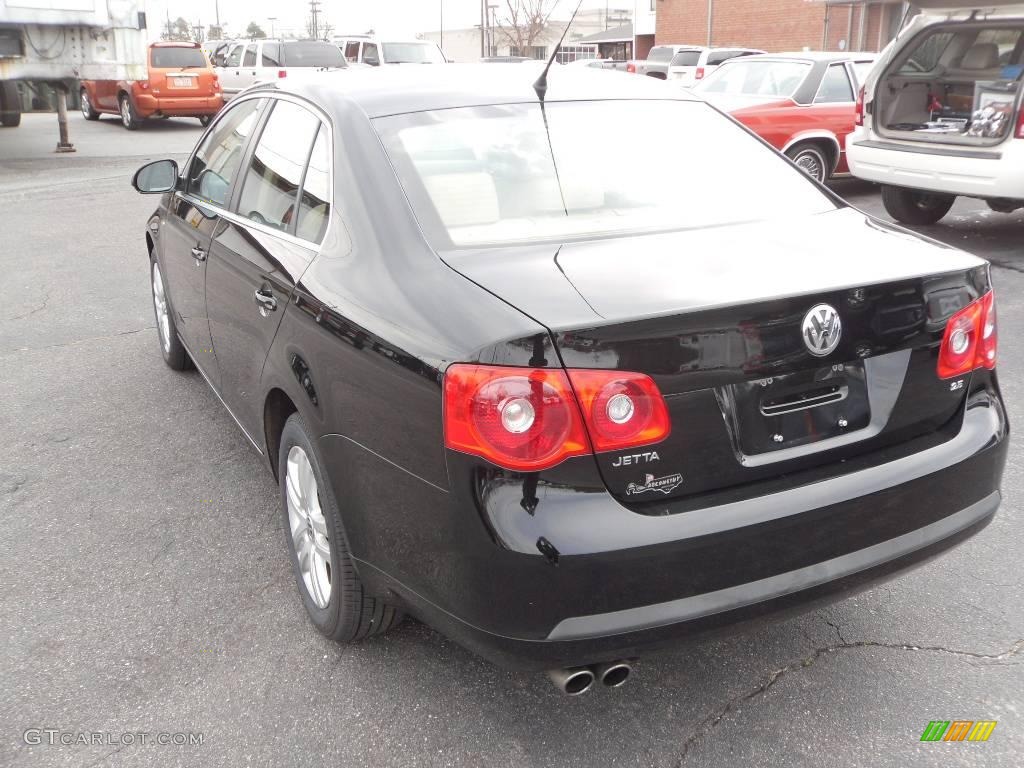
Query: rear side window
[271,55]
[314,205]
[686,59]
[835,87]
[352,51]
[176,58]
[660,53]
[271,188]
[925,56]
[311,53]
[250,56]
[212,173]
[370,54]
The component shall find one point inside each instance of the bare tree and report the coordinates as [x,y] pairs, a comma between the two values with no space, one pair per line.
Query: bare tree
[523,21]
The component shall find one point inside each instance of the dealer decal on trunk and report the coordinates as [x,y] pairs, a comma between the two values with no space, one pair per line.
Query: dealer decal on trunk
[665,484]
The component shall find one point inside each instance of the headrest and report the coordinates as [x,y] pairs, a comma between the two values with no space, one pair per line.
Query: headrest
[981,56]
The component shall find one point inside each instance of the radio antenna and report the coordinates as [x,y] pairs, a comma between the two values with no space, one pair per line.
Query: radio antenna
[541,86]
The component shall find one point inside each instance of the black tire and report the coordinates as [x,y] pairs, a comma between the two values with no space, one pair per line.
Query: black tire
[204,120]
[87,111]
[129,117]
[812,159]
[350,614]
[912,206]
[10,106]
[171,348]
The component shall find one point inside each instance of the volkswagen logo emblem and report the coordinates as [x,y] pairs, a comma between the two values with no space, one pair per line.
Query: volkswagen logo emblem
[821,330]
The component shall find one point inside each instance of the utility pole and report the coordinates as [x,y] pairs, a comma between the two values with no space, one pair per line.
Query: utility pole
[314,12]
[216,10]
[441,4]
[483,6]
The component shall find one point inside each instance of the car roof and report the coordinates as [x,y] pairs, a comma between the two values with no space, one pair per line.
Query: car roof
[174,44]
[397,90]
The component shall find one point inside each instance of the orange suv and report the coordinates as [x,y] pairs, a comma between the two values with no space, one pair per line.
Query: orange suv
[181,83]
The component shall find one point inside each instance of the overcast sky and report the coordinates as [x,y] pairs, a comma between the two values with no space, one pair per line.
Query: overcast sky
[388,17]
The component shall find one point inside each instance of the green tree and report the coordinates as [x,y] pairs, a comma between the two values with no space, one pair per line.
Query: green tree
[254,31]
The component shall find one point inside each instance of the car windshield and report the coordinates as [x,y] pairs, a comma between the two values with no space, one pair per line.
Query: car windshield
[310,53]
[753,77]
[504,174]
[412,53]
[177,58]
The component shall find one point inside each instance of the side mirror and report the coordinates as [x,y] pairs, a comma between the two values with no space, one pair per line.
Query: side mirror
[156,178]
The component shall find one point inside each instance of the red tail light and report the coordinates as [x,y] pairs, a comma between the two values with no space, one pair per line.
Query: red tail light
[621,410]
[1020,124]
[216,83]
[631,67]
[282,73]
[970,339]
[699,74]
[528,419]
[859,109]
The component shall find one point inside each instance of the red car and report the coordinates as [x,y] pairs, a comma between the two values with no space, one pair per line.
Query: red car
[803,104]
[181,83]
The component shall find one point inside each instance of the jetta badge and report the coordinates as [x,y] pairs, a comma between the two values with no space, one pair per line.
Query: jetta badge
[822,330]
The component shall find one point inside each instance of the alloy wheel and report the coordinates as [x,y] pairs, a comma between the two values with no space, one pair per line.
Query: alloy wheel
[308,527]
[163,318]
[126,113]
[810,163]
[85,104]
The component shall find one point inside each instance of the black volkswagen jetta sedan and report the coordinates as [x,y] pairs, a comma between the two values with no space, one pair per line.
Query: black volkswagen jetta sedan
[564,395]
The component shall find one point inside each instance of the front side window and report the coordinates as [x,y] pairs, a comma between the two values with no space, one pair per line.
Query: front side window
[753,77]
[487,175]
[835,86]
[370,54]
[271,187]
[235,57]
[352,51]
[177,58]
[212,172]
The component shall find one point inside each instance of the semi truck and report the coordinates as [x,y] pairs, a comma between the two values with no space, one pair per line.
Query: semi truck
[58,42]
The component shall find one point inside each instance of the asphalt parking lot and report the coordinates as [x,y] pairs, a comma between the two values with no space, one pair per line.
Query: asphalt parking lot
[145,586]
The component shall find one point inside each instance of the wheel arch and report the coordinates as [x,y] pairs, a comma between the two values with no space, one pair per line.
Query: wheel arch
[824,139]
[277,407]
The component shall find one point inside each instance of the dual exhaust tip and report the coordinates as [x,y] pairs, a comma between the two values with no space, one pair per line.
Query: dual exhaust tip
[578,680]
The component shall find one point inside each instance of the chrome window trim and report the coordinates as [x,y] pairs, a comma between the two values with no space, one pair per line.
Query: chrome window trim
[243,221]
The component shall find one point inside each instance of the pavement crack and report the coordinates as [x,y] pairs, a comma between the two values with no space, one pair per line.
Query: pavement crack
[37,310]
[76,342]
[711,721]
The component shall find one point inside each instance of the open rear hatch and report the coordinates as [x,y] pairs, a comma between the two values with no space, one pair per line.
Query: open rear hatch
[776,356]
[956,81]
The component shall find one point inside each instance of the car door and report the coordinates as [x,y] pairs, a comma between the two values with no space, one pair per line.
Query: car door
[194,216]
[279,216]
[231,72]
[834,107]
[250,66]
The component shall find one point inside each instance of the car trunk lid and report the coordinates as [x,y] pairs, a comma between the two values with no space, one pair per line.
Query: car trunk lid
[717,318]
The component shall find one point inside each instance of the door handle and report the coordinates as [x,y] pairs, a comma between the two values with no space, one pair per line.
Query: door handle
[265,301]
[198,254]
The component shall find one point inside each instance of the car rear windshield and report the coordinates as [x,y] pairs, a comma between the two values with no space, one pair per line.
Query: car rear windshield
[412,53]
[752,77]
[686,59]
[504,174]
[310,53]
[660,53]
[176,58]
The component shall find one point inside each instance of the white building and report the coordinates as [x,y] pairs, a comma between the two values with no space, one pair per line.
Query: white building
[467,45]
[644,22]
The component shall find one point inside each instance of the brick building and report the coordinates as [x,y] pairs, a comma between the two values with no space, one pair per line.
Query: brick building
[780,25]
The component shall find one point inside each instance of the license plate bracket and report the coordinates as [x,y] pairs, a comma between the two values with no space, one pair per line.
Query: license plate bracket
[797,408]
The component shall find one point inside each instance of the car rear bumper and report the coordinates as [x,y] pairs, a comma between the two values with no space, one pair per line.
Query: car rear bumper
[147,105]
[985,172]
[626,582]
